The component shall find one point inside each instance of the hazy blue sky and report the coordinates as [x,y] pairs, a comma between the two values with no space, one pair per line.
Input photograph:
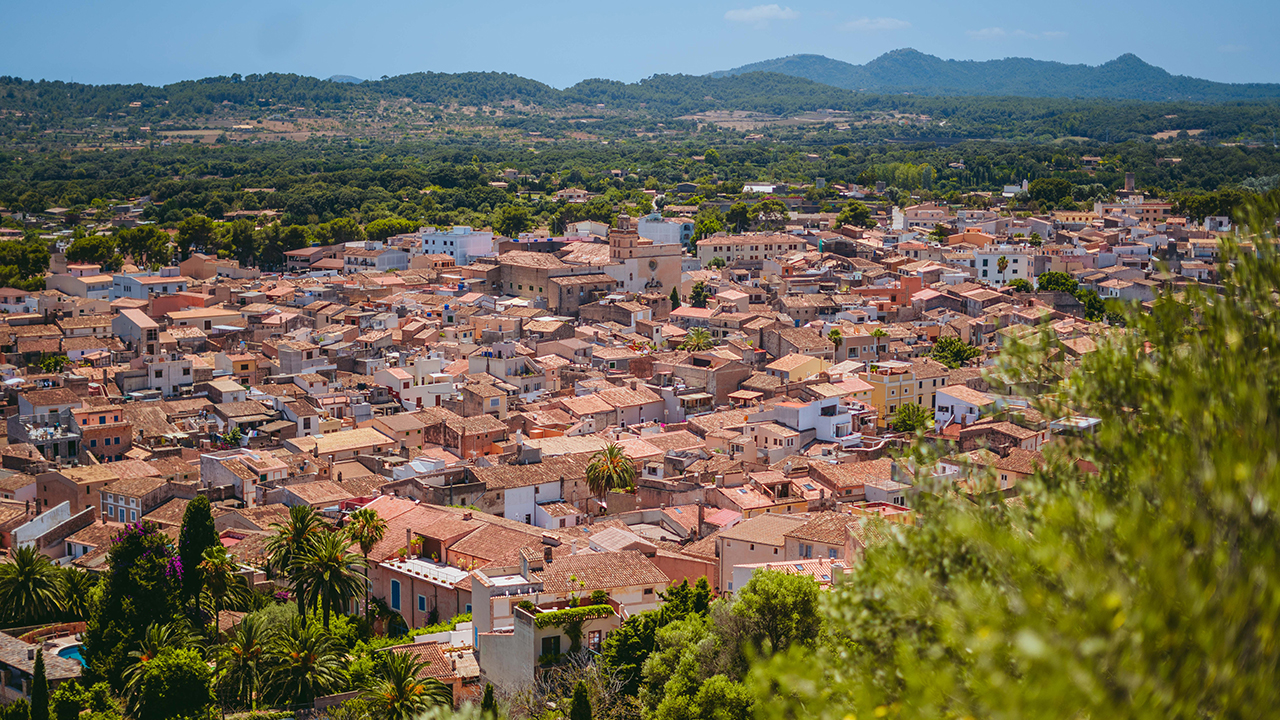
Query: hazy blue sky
[561,43]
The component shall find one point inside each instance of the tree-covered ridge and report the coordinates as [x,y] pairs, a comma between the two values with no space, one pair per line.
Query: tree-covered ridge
[907,70]
[614,108]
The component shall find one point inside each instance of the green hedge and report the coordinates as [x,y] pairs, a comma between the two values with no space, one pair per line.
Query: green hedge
[559,618]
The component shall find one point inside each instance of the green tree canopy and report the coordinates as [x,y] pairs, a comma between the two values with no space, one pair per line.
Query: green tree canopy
[910,417]
[511,220]
[1136,575]
[386,227]
[176,684]
[739,217]
[143,587]
[953,352]
[1054,281]
[699,295]
[197,535]
[1053,190]
[855,214]
[770,214]
[30,587]
[610,470]
[580,704]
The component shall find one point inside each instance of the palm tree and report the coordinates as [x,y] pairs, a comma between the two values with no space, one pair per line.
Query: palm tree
[242,658]
[30,587]
[328,572]
[610,469]
[158,637]
[911,417]
[877,334]
[1002,263]
[697,339]
[293,539]
[302,664]
[76,585]
[367,528]
[397,692]
[220,579]
[836,337]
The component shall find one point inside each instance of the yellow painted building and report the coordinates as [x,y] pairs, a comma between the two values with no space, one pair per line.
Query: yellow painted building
[895,383]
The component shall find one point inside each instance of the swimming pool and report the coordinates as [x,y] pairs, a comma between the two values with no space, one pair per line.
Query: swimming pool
[72,652]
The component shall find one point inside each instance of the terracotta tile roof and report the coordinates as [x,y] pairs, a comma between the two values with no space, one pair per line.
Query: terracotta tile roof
[13,652]
[718,421]
[704,548]
[438,665]
[319,492]
[588,571]
[626,397]
[504,477]
[492,542]
[135,486]
[1024,462]
[853,475]
[264,516]
[675,440]
[172,512]
[768,529]
[825,527]
[15,481]
[52,396]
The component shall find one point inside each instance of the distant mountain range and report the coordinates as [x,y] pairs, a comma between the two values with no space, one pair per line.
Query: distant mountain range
[907,70]
[352,79]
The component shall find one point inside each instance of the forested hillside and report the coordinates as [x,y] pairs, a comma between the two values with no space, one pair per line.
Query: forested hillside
[1126,77]
[614,108]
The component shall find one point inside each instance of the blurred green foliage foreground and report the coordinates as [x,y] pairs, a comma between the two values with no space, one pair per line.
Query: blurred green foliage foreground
[1139,577]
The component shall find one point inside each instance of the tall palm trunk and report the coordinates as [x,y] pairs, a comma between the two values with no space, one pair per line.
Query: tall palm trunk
[366,586]
[324,604]
[302,600]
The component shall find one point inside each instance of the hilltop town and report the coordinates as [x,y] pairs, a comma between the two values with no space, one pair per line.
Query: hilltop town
[753,399]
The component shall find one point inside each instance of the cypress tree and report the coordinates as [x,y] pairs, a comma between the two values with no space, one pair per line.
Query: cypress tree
[675,298]
[581,708]
[488,705]
[198,534]
[39,689]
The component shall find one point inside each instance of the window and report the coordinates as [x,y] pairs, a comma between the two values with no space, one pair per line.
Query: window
[468,607]
[551,645]
[395,594]
[111,511]
[159,374]
[422,603]
[831,553]
[133,515]
[593,640]
[186,371]
[493,402]
[806,551]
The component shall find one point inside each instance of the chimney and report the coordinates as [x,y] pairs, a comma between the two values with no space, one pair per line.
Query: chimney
[31,653]
[408,541]
[466,515]
[546,555]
